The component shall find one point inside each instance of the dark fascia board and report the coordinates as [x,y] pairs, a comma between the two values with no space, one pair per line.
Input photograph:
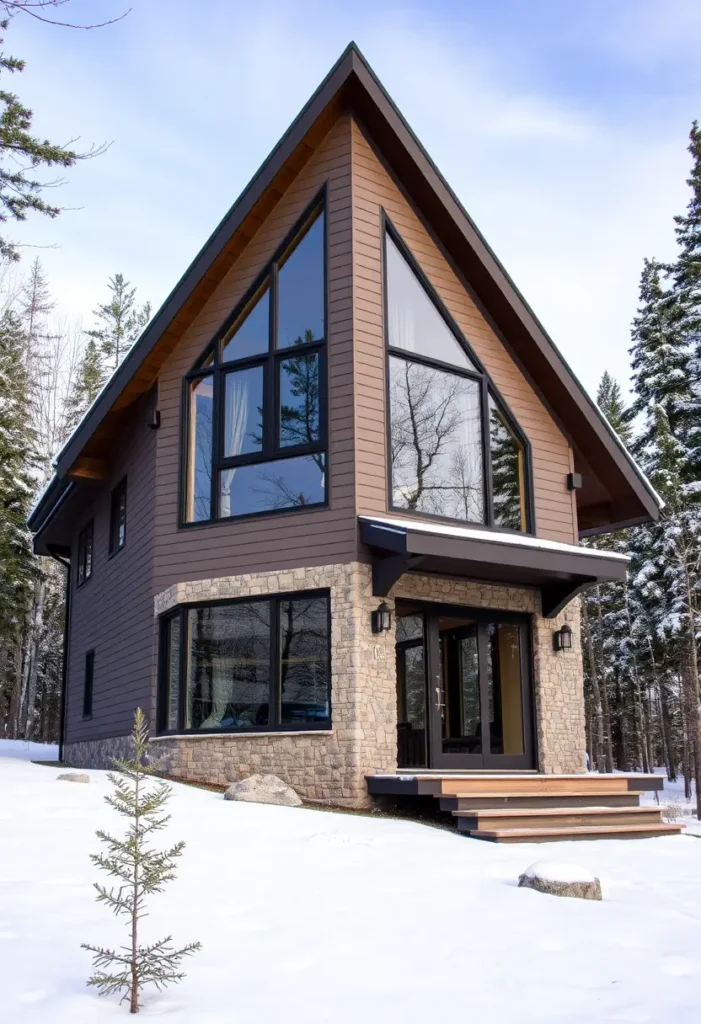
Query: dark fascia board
[559,574]
[557,563]
[352,76]
[49,503]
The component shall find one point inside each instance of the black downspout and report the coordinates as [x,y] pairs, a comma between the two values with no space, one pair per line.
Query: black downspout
[64,658]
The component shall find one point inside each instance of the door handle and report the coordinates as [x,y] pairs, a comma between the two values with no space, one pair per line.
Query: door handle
[439,704]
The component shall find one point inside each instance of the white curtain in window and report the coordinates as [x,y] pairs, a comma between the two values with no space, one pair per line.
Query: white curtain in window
[221,692]
[235,420]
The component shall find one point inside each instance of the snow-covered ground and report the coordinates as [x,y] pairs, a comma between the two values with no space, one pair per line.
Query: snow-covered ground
[311,917]
[29,751]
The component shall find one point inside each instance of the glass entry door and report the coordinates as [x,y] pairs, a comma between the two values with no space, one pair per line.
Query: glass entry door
[479,692]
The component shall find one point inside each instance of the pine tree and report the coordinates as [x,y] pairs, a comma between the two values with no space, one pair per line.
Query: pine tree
[610,400]
[142,871]
[119,322]
[21,153]
[90,377]
[685,274]
[659,356]
[16,459]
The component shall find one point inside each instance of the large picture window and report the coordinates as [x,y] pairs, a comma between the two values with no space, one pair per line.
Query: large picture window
[247,665]
[454,451]
[255,420]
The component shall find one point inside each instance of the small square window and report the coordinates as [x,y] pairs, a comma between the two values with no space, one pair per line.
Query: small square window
[118,517]
[85,553]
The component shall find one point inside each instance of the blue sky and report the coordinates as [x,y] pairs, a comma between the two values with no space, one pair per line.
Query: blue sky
[562,127]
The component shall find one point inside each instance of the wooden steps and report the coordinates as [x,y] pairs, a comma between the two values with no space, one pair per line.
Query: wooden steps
[529,808]
[463,802]
[549,835]
[499,819]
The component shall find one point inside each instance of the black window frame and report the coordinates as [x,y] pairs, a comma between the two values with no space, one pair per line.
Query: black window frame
[85,535]
[209,364]
[275,693]
[117,492]
[487,389]
[88,684]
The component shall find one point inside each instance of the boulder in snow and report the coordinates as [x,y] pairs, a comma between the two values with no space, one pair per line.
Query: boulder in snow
[73,777]
[263,789]
[561,880]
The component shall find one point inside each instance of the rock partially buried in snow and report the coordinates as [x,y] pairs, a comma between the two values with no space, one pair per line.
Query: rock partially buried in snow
[263,789]
[561,880]
[73,777]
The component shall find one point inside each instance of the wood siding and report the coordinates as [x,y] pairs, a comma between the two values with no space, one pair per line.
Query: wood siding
[112,613]
[374,189]
[299,538]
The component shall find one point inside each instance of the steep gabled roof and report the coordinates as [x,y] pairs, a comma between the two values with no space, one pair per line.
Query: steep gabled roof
[616,492]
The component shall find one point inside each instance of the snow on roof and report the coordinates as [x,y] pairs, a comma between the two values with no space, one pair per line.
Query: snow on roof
[492,537]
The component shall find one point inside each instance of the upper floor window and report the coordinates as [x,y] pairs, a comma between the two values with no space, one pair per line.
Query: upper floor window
[118,517]
[85,553]
[255,405]
[454,450]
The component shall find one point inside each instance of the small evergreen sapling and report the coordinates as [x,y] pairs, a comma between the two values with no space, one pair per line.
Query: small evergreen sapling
[141,871]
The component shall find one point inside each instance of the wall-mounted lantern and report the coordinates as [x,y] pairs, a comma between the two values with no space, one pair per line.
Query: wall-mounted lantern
[382,619]
[562,638]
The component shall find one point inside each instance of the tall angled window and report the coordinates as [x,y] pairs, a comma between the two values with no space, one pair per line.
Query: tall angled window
[454,453]
[256,418]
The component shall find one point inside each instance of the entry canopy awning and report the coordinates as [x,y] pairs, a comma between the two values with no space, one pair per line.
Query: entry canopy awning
[560,571]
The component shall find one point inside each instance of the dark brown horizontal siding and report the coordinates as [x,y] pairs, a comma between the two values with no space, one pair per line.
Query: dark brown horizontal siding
[310,537]
[112,613]
[373,190]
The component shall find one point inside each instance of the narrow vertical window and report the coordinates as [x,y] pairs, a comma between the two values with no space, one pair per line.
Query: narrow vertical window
[508,472]
[172,673]
[118,517]
[88,684]
[199,456]
[85,553]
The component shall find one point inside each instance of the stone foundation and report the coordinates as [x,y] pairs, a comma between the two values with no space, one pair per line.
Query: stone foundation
[97,753]
[330,766]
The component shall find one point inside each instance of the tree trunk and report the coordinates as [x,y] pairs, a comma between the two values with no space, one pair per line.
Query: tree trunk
[598,760]
[606,710]
[36,626]
[622,759]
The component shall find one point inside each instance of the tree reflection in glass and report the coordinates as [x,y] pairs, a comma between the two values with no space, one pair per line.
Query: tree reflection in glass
[436,442]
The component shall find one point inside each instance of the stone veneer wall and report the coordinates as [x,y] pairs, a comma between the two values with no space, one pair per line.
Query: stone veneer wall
[326,766]
[97,753]
[330,766]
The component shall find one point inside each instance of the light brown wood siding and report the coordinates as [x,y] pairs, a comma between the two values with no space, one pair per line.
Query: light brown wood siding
[374,189]
[313,537]
[112,613]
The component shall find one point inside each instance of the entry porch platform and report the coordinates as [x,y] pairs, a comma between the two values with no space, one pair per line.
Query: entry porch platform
[528,807]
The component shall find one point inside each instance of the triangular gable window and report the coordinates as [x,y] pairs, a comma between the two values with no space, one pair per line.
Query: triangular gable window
[414,323]
[454,452]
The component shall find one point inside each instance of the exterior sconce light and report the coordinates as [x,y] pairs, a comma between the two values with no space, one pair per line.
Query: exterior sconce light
[562,638]
[382,619]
